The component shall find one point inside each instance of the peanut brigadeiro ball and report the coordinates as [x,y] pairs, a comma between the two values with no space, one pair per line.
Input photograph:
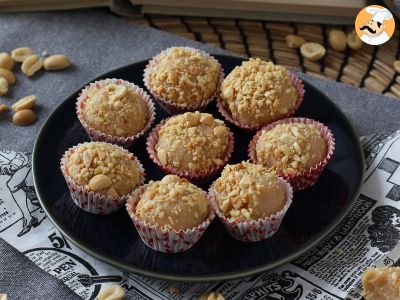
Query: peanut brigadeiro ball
[185,77]
[258,92]
[104,168]
[116,110]
[192,141]
[291,148]
[173,203]
[248,192]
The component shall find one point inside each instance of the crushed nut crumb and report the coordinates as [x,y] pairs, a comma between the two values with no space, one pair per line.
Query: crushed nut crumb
[173,290]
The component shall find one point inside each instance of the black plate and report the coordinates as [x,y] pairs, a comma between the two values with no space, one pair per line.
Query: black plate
[217,256]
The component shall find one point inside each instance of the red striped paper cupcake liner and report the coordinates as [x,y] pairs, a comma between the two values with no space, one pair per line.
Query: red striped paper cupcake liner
[169,106]
[255,230]
[297,84]
[307,178]
[97,135]
[194,177]
[90,201]
[161,239]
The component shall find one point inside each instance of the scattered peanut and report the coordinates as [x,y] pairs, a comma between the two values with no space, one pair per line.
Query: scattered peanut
[337,39]
[8,75]
[6,61]
[112,292]
[3,297]
[3,86]
[100,182]
[312,51]
[294,41]
[396,66]
[24,117]
[353,41]
[3,108]
[27,102]
[56,62]
[212,296]
[20,54]
[31,65]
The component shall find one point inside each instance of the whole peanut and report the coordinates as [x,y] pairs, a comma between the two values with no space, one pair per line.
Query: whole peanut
[56,62]
[27,102]
[31,65]
[20,54]
[3,86]
[6,61]
[3,108]
[112,292]
[396,65]
[24,117]
[337,40]
[312,51]
[3,297]
[294,41]
[8,75]
[353,41]
[100,182]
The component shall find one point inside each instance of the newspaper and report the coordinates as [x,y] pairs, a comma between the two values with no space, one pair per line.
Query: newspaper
[331,270]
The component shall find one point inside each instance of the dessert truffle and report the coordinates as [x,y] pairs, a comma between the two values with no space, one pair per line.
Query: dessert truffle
[173,204]
[104,168]
[258,92]
[290,148]
[115,109]
[247,192]
[184,77]
[192,142]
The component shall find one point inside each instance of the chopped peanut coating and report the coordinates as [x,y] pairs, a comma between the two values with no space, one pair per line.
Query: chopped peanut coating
[104,168]
[248,192]
[173,203]
[258,92]
[291,148]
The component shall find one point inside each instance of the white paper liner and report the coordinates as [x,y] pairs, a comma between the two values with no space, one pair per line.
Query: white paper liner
[163,240]
[91,201]
[97,135]
[169,106]
[255,230]
[307,178]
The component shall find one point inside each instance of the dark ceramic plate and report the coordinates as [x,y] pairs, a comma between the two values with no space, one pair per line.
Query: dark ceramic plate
[217,256]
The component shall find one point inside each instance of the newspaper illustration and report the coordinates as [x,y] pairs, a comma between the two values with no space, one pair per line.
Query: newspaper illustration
[367,237]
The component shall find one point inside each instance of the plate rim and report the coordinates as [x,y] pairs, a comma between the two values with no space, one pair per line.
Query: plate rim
[198,278]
